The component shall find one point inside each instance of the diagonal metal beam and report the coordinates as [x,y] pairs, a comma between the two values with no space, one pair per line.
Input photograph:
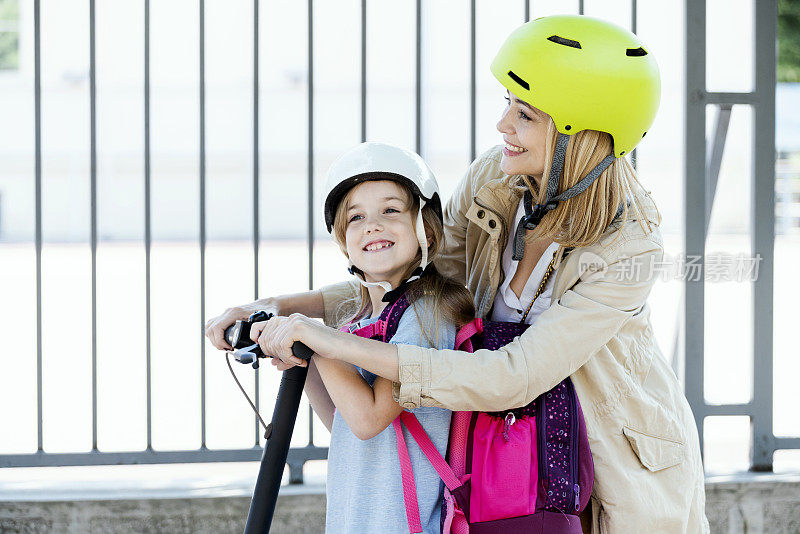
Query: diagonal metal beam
[714,153]
[714,157]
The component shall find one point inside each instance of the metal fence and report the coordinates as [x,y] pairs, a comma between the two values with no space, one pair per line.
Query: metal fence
[702,169]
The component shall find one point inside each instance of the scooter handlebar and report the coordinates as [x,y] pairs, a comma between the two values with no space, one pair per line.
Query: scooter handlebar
[237,335]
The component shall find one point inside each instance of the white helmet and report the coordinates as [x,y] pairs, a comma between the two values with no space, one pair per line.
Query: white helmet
[381,161]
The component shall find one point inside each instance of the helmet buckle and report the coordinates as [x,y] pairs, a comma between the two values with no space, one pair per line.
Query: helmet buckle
[538,211]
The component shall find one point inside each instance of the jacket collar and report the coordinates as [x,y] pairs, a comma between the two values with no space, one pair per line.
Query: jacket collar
[501,196]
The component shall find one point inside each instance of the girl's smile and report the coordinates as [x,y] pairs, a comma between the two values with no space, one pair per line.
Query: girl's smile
[375,246]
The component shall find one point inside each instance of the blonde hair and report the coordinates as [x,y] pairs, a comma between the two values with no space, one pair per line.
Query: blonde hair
[453,301]
[582,219]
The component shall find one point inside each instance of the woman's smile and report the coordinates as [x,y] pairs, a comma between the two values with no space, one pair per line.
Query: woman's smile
[511,150]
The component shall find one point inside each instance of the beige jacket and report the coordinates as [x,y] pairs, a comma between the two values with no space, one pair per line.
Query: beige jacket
[648,472]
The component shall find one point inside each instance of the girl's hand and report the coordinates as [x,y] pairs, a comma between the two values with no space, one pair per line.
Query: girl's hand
[279,365]
[276,336]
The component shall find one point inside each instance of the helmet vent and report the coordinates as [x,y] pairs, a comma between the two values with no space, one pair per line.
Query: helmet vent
[636,52]
[564,41]
[519,80]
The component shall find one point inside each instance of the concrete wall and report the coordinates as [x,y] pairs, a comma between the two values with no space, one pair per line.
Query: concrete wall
[768,504]
[295,513]
[746,504]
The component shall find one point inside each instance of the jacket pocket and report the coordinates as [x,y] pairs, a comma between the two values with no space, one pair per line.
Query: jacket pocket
[655,453]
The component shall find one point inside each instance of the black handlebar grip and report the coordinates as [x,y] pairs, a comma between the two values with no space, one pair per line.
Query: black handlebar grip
[302,351]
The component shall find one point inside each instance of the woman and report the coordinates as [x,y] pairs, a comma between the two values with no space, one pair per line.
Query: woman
[582,93]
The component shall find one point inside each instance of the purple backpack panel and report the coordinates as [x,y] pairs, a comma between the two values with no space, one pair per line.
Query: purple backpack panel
[566,469]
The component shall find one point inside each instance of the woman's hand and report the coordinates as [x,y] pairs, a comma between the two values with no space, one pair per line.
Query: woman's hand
[216,326]
[276,336]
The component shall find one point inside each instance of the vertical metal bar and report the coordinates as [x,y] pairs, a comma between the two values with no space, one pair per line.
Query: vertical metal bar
[527,10]
[310,144]
[694,206]
[147,218]
[763,232]
[202,224]
[310,426]
[256,194]
[634,16]
[296,475]
[472,95]
[37,119]
[580,7]
[363,70]
[93,208]
[418,73]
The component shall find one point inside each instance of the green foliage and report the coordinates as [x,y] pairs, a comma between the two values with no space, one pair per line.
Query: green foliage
[9,10]
[9,50]
[789,40]
[9,40]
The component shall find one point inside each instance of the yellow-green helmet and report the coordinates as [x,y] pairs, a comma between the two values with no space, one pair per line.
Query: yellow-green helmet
[586,73]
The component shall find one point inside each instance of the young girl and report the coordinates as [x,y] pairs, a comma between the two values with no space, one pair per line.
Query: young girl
[383,211]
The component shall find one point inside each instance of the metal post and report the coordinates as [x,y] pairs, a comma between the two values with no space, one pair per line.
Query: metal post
[472,95]
[634,20]
[37,118]
[147,223]
[763,231]
[418,80]
[694,205]
[363,70]
[256,196]
[202,224]
[93,208]
[310,146]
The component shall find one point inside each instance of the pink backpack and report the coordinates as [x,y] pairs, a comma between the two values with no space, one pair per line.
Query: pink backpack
[527,469]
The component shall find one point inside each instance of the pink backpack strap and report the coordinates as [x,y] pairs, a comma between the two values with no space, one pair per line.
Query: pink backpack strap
[378,328]
[409,485]
[449,478]
[466,332]
[429,449]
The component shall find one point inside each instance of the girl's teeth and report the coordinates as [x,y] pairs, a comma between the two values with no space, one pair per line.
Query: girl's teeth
[513,148]
[377,246]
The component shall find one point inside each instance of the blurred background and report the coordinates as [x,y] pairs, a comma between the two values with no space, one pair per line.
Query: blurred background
[150,222]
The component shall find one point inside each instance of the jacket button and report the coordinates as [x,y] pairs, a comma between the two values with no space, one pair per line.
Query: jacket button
[492,223]
[481,214]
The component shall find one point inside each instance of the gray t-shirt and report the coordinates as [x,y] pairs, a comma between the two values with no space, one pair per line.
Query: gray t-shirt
[365,489]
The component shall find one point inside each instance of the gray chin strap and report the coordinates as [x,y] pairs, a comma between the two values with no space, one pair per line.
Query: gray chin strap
[533,214]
